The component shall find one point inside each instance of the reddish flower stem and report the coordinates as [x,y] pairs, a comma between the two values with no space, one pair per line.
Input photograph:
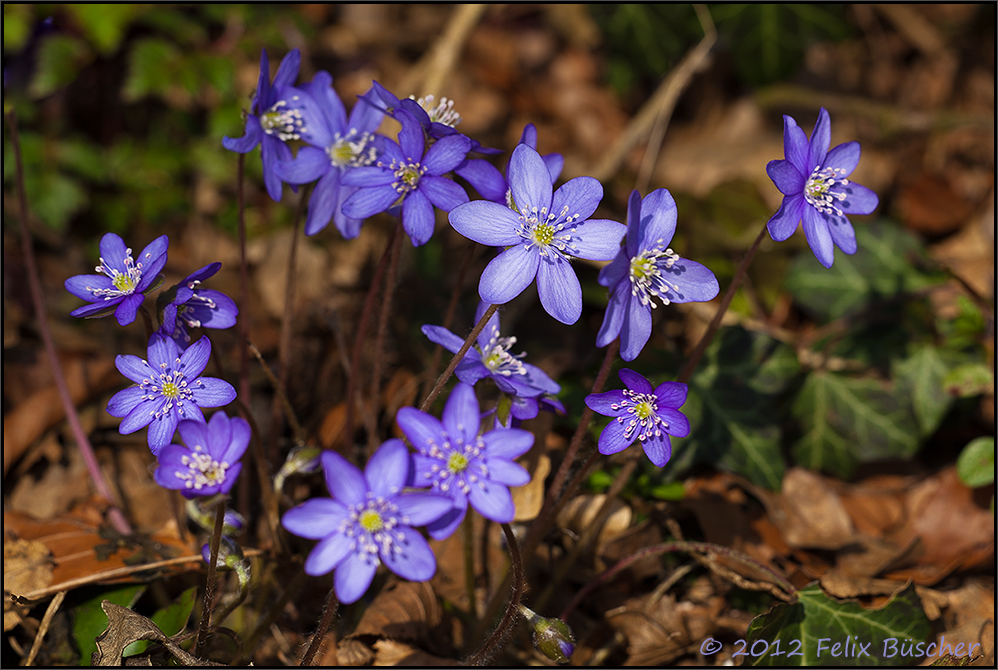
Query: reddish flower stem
[438,351]
[493,645]
[328,612]
[458,357]
[209,585]
[38,300]
[395,249]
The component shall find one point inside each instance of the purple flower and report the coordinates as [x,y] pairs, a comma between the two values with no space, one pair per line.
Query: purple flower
[437,121]
[340,144]
[815,190]
[641,413]
[542,233]
[457,462]
[405,176]
[168,388]
[193,307]
[491,358]
[209,464]
[646,269]
[278,113]
[368,520]
[123,282]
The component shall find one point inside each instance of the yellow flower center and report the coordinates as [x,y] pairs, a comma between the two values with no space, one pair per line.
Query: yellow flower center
[171,390]
[644,410]
[371,521]
[457,463]
[543,234]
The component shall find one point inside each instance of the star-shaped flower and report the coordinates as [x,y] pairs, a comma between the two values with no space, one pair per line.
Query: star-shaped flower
[368,520]
[541,235]
[641,413]
[209,464]
[168,388]
[189,306]
[491,358]
[457,462]
[816,190]
[123,281]
[646,269]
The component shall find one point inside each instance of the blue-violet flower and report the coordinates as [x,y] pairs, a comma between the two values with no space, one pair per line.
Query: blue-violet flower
[541,233]
[340,144]
[404,176]
[368,520]
[641,413]
[189,306]
[491,358]
[209,464]
[815,189]
[123,281]
[458,462]
[168,388]
[646,268]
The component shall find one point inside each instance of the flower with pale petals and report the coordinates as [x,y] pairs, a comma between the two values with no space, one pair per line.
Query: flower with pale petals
[209,463]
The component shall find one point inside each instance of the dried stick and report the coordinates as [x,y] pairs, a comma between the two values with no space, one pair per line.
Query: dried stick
[43,627]
[458,357]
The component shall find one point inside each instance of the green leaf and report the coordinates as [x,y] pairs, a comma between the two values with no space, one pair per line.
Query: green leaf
[976,464]
[60,59]
[969,379]
[105,25]
[846,421]
[89,619]
[921,375]
[151,69]
[808,630]
[889,261]
[172,619]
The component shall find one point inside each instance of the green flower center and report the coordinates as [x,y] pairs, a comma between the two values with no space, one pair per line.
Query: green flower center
[371,521]
[642,267]
[644,410]
[543,234]
[457,463]
[171,390]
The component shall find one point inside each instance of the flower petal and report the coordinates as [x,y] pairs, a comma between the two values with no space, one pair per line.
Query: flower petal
[82,286]
[484,178]
[506,472]
[418,220]
[353,577]
[786,220]
[195,359]
[369,201]
[529,179]
[559,289]
[161,430]
[253,133]
[693,282]
[310,164]
[213,392]
[273,150]
[140,415]
[446,154]
[133,367]
[329,554]
[219,435]
[487,223]
[443,337]
[580,195]
[842,233]
[859,199]
[343,480]
[127,308]
[671,394]
[315,519]
[414,560]
[786,177]
[491,500]
[795,145]
[420,509]
[411,139]
[423,430]
[194,434]
[843,157]
[634,381]
[287,71]
[657,222]
[508,444]
[241,436]
[658,449]
[387,470]
[461,417]
[679,425]
[818,237]
[508,274]
[602,403]
[323,202]
[821,138]
[612,439]
[599,239]
[445,526]
[636,329]
[443,193]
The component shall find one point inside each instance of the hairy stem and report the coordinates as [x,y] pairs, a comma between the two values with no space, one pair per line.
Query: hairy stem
[328,612]
[468,256]
[209,585]
[468,545]
[493,645]
[38,300]
[379,341]
[458,357]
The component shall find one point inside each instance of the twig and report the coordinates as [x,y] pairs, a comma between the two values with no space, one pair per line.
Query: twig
[328,612]
[458,357]
[43,627]
[491,646]
[209,585]
[38,300]
[439,62]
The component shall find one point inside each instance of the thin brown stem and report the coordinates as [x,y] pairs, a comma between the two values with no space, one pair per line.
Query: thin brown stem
[209,585]
[468,545]
[38,300]
[244,384]
[353,381]
[328,612]
[458,357]
[493,645]
[705,339]
[379,340]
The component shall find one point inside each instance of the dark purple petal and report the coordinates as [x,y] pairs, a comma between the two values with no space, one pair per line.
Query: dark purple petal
[491,328]
[420,509]
[818,237]
[461,417]
[365,118]
[324,201]
[446,154]
[124,401]
[387,469]
[287,71]
[487,223]
[212,392]
[484,178]
[367,202]
[581,196]
[613,318]
[559,289]
[219,435]
[784,223]
[842,233]
[612,439]
[344,481]
[524,408]
[658,449]
[445,526]
[97,309]
[506,472]
[843,157]
[442,192]
[671,394]
[508,444]
[508,275]
[204,273]
[618,269]
[634,381]
[151,261]
[194,434]
[795,145]
[694,282]
[411,139]
[633,241]
[140,415]
[821,138]
[315,519]
[309,165]
[786,177]
[529,179]
[415,561]
[443,337]
[231,475]
[329,554]
[241,436]
[602,403]
[353,577]
[272,151]
[658,220]
[189,412]
[424,431]
[417,218]
[471,369]
[539,379]
[163,352]
[127,308]
[113,252]
[249,141]
[195,359]
[262,97]
[679,425]
[349,227]
[493,501]
[223,315]
[599,239]
[859,199]
[334,116]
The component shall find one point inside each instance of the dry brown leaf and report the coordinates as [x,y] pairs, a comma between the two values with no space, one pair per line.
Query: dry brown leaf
[659,630]
[396,653]
[529,498]
[124,627]
[333,425]
[808,512]
[581,511]
[929,204]
[27,567]
[402,611]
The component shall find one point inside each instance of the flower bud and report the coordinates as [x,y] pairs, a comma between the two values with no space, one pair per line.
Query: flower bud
[301,460]
[552,637]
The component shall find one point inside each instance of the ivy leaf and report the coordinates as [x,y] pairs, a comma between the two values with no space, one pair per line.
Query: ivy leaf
[819,622]
[921,376]
[89,618]
[60,60]
[846,421]
[976,464]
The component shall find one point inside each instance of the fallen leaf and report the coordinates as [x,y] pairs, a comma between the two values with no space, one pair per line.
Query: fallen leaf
[808,512]
[529,498]
[124,627]
[27,567]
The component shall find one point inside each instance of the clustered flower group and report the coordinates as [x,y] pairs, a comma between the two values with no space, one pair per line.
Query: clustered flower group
[371,517]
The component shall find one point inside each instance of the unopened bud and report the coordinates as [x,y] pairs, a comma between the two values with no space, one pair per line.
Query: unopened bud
[552,637]
[301,460]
